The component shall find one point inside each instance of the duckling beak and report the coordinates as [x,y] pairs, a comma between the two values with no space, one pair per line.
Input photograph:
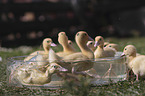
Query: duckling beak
[53,44]
[122,55]
[96,44]
[90,39]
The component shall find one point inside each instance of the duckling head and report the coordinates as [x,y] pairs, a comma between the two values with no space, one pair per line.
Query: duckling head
[47,42]
[62,38]
[111,45]
[99,41]
[82,38]
[54,67]
[106,43]
[70,42]
[90,44]
[129,50]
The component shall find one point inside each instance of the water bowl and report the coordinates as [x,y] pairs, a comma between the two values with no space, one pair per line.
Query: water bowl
[42,73]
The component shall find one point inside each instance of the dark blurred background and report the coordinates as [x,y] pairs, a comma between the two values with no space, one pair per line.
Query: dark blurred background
[28,22]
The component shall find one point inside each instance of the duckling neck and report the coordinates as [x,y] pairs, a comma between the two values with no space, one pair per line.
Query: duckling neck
[93,49]
[46,50]
[99,52]
[131,57]
[86,51]
[68,48]
[100,48]
[48,74]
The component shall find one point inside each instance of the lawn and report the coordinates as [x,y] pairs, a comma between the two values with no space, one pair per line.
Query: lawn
[127,88]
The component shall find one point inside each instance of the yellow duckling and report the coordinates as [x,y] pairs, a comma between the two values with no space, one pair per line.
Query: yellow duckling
[90,44]
[36,76]
[136,63]
[78,61]
[81,39]
[41,55]
[71,44]
[67,48]
[100,52]
[112,45]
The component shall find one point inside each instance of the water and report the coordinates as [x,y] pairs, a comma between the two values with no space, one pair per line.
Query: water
[104,71]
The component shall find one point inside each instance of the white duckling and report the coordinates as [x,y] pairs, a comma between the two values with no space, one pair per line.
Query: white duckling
[136,63]
[90,44]
[41,56]
[67,48]
[100,52]
[36,76]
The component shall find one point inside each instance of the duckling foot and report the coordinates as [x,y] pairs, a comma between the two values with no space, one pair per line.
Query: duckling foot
[109,73]
[79,73]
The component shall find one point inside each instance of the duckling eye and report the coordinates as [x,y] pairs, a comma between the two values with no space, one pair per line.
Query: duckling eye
[110,46]
[85,34]
[70,43]
[78,34]
[125,49]
[100,39]
[61,33]
[48,41]
[105,45]
[91,43]
[54,66]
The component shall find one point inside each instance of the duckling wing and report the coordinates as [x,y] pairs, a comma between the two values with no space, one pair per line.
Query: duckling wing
[76,56]
[109,52]
[79,61]
[63,54]
[33,55]
[138,65]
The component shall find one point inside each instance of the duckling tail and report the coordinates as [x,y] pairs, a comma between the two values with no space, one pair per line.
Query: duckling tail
[52,56]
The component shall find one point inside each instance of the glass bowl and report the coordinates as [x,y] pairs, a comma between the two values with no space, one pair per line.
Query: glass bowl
[102,71]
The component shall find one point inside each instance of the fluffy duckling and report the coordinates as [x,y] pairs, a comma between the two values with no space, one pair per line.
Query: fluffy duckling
[67,48]
[136,63]
[78,61]
[37,77]
[100,52]
[71,44]
[112,45]
[90,44]
[81,39]
[106,43]
[41,55]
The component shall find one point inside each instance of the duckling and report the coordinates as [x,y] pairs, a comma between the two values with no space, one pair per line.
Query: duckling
[41,56]
[136,63]
[37,77]
[81,39]
[100,52]
[112,45]
[67,49]
[71,44]
[106,43]
[78,61]
[90,44]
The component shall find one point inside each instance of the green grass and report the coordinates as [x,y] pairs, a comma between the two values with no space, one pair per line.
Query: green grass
[125,88]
